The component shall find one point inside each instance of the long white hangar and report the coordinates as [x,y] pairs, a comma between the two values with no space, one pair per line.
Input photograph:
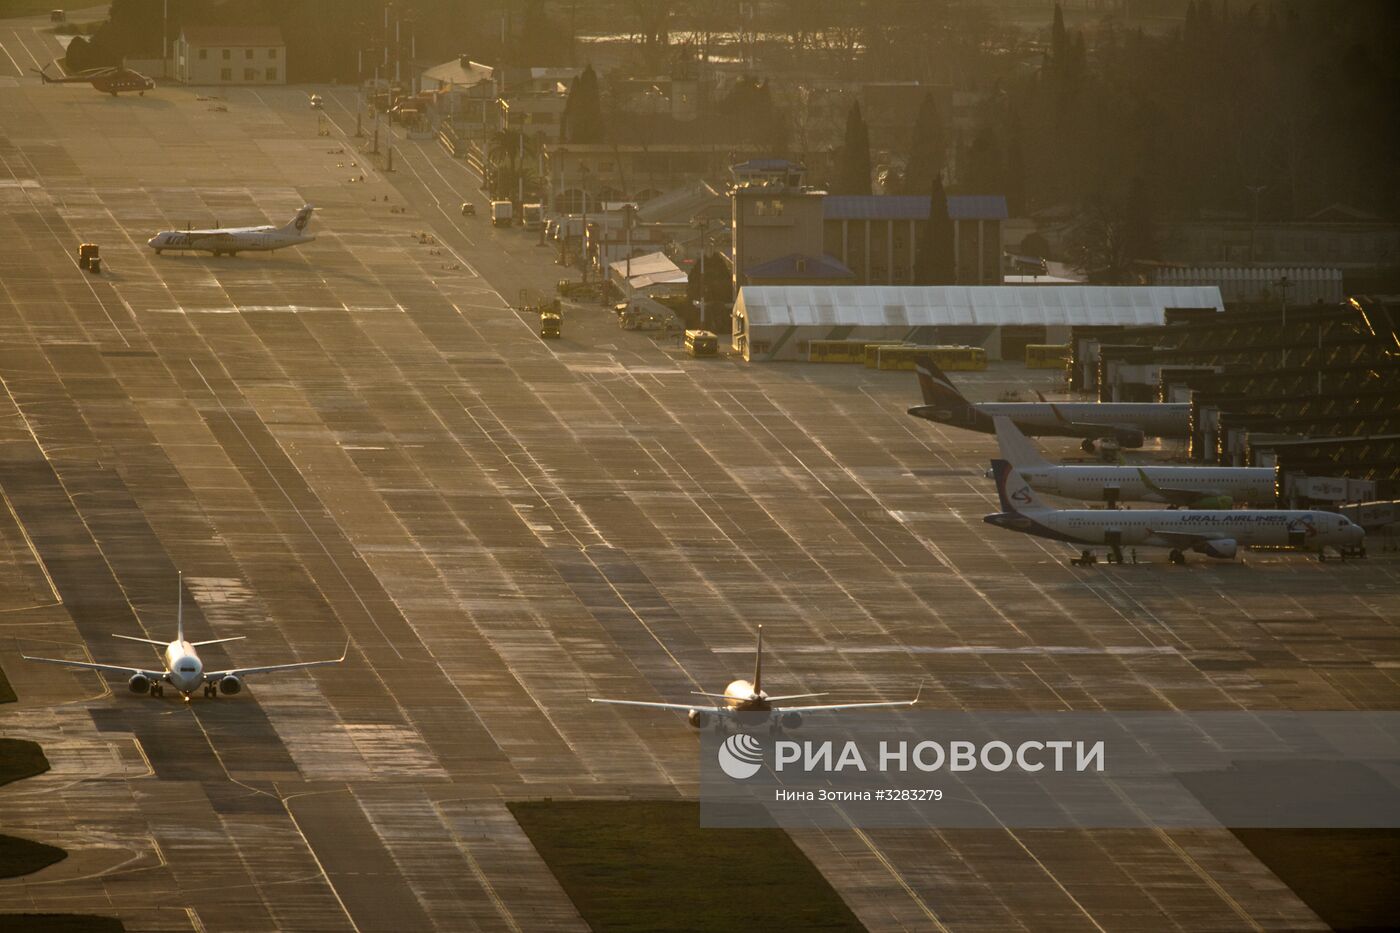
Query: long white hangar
[777,322]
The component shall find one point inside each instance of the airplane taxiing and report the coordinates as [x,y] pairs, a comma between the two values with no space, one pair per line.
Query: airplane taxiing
[112,81]
[232,240]
[1193,487]
[1214,533]
[1124,423]
[182,668]
[743,698]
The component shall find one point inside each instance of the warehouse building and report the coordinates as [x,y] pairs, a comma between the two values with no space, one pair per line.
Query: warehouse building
[230,55]
[778,322]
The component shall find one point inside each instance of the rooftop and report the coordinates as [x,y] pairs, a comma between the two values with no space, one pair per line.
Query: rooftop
[239,36]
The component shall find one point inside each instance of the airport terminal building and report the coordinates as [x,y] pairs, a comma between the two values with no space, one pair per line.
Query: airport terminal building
[778,322]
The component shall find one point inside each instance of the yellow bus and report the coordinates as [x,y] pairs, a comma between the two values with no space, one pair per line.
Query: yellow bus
[1047,355]
[949,359]
[701,343]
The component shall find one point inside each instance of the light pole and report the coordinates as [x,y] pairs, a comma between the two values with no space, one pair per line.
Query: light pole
[1283,286]
[703,226]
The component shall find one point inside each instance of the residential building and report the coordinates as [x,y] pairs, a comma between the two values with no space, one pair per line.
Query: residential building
[230,55]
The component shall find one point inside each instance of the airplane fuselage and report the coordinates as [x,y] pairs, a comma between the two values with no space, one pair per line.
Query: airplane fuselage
[247,239]
[741,697]
[1128,422]
[1254,527]
[185,671]
[1247,485]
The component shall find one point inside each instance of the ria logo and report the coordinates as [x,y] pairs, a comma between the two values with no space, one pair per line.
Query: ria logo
[1304,524]
[740,756]
[1022,495]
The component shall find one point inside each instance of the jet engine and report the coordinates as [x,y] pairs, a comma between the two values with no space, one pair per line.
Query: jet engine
[229,685]
[1225,548]
[139,683]
[697,719]
[791,720]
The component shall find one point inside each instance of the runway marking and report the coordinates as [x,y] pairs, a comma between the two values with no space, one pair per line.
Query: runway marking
[287,309]
[18,70]
[967,649]
[58,599]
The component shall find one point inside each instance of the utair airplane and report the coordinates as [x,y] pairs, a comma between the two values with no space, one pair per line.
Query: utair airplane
[232,240]
[1123,423]
[1192,487]
[182,668]
[112,81]
[746,700]
[1213,533]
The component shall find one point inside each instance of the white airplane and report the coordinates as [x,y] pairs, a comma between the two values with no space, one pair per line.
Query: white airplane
[1192,487]
[1124,423]
[1213,533]
[747,699]
[182,668]
[232,240]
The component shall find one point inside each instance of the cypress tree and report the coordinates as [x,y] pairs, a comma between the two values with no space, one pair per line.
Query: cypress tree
[933,264]
[926,149]
[583,110]
[854,176]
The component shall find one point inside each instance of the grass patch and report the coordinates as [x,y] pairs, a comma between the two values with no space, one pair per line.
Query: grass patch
[1347,876]
[649,866]
[20,759]
[61,923]
[22,856]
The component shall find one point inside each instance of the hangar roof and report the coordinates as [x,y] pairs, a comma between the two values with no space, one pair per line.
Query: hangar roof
[951,305]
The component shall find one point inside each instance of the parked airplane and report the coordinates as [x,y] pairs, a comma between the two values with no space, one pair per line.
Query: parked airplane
[1213,533]
[112,81]
[182,668]
[1193,487]
[1124,423]
[232,240]
[745,697]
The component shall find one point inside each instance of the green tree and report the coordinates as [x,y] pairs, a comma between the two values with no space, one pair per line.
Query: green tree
[853,176]
[927,148]
[985,169]
[583,110]
[933,263]
[1137,221]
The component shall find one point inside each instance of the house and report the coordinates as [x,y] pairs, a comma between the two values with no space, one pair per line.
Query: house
[230,55]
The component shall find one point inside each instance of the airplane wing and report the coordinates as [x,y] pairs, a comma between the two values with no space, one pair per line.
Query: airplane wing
[680,707]
[109,668]
[835,706]
[1177,496]
[298,665]
[1184,539]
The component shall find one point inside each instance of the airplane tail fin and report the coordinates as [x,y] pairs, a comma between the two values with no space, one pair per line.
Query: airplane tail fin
[1015,447]
[298,223]
[180,605]
[758,664]
[942,400]
[1014,492]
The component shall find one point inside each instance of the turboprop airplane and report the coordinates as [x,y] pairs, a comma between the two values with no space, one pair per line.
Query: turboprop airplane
[181,666]
[747,699]
[1192,487]
[1123,423]
[112,81]
[1213,533]
[232,240]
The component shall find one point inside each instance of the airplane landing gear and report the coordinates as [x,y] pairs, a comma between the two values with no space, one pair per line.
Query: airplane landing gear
[157,690]
[210,691]
[1085,559]
[1176,557]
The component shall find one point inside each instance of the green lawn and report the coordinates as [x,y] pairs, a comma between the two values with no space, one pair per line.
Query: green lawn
[1349,877]
[648,866]
[20,759]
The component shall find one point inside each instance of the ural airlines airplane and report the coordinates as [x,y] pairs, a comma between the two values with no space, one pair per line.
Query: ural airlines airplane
[1192,487]
[1125,423]
[743,697]
[232,240]
[1213,533]
[182,668]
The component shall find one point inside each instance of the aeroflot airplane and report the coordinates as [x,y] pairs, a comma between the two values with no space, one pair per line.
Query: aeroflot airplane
[1192,487]
[1125,423]
[1213,533]
[232,240]
[183,669]
[743,697]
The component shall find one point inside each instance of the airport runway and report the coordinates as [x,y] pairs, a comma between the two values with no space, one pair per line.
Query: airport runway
[359,439]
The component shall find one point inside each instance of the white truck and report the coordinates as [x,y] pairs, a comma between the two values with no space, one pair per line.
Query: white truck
[532,215]
[502,213]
